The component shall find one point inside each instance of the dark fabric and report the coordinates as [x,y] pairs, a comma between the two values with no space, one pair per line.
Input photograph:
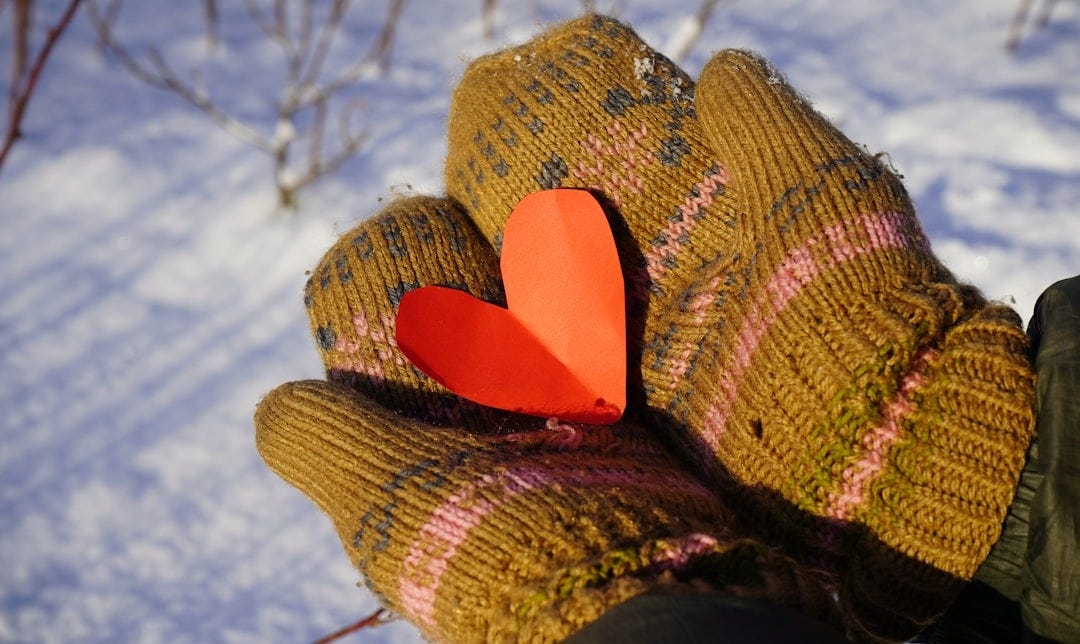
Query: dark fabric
[697,619]
[1050,596]
[1002,570]
[980,615]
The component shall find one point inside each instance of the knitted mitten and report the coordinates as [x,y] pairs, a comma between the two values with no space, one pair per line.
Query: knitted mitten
[588,104]
[353,294]
[873,413]
[495,536]
[876,411]
[527,537]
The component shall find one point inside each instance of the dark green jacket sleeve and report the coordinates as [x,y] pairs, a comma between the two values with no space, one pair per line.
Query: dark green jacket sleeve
[1050,594]
[703,619]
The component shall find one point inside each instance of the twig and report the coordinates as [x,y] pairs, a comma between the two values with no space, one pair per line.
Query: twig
[256,15]
[1044,15]
[371,621]
[1017,27]
[489,17]
[1020,19]
[305,48]
[20,26]
[20,99]
[317,57]
[161,76]
[380,51]
[213,24]
[697,26]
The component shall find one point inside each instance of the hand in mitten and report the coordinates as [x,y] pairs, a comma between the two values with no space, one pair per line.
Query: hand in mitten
[835,365]
[866,413]
[588,104]
[790,328]
[521,529]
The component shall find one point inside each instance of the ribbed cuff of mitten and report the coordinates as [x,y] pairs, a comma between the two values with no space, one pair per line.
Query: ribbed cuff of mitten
[914,425]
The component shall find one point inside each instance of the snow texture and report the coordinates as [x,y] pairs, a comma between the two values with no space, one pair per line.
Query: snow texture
[150,293]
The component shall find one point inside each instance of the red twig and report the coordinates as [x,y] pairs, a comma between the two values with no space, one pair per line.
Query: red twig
[21,98]
[371,621]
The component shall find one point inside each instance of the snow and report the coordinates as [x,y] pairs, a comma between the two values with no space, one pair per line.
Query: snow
[150,292]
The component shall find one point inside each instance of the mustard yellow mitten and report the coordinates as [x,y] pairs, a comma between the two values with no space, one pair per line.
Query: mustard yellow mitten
[865,412]
[352,296]
[491,534]
[523,537]
[871,412]
[588,104]
[797,337]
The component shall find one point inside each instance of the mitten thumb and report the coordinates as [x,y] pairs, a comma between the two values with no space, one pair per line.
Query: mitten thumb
[794,172]
[340,449]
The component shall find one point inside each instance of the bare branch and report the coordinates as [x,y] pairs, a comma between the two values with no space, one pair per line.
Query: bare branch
[348,150]
[322,47]
[351,75]
[281,19]
[318,165]
[303,38]
[274,26]
[1016,29]
[348,147]
[213,24]
[1044,15]
[488,17]
[371,621]
[284,134]
[260,19]
[380,51]
[20,25]
[696,27]
[111,12]
[282,27]
[1020,20]
[161,76]
[306,47]
[310,93]
[20,98]
[316,134]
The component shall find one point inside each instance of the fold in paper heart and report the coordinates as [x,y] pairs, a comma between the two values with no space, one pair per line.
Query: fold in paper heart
[559,348]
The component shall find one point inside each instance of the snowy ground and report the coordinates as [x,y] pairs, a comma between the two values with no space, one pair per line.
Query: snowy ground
[149,293]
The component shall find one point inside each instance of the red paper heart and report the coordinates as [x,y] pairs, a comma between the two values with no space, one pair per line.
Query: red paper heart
[559,348]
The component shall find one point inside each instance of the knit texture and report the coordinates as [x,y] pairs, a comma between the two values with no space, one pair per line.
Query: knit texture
[588,104]
[790,330]
[352,295]
[522,530]
[872,413]
[519,537]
